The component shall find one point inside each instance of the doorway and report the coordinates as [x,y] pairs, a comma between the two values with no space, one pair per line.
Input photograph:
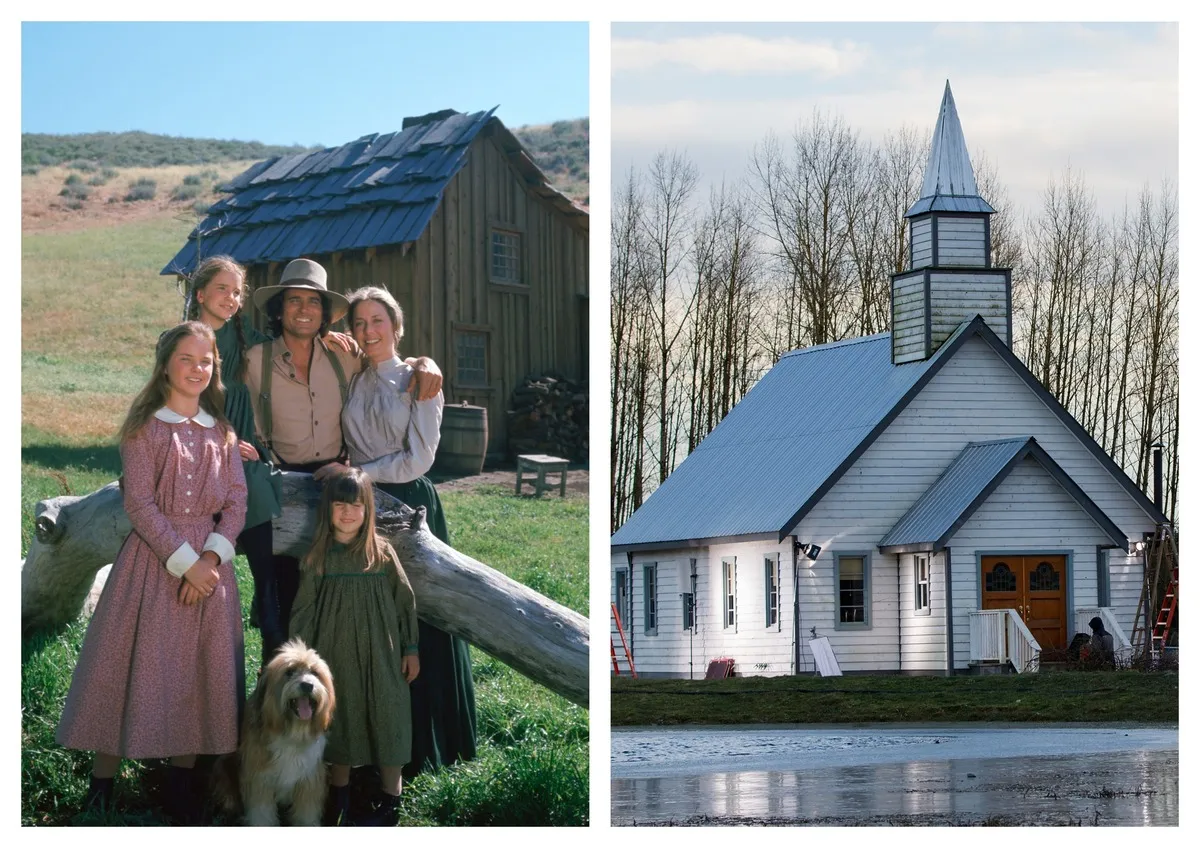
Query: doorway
[1035,585]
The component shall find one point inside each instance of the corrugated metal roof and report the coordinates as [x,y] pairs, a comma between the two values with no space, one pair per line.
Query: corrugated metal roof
[778,447]
[381,189]
[949,184]
[953,493]
[967,482]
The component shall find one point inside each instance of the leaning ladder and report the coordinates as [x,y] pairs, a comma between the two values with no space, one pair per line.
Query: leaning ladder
[624,646]
[1149,640]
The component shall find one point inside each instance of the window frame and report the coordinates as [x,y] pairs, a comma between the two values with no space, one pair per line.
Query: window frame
[729,593]
[918,609]
[624,607]
[521,283]
[650,610]
[485,333]
[771,573]
[838,624]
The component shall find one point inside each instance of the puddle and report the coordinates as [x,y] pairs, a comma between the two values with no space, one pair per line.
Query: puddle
[989,774]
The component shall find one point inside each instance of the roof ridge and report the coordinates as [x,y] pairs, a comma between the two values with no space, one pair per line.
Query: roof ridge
[840,343]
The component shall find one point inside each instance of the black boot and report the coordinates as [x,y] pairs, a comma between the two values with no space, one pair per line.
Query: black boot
[181,803]
[98,799]
[337,807]
[386,812]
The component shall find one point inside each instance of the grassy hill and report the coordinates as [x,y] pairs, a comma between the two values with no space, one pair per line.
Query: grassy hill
[560,149]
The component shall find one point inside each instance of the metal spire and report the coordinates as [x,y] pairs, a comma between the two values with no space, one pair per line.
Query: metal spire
[949,180]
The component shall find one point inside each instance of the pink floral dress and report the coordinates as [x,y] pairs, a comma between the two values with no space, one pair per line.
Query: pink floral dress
[156,678]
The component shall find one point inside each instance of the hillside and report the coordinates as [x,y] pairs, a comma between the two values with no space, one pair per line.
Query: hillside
[97,159]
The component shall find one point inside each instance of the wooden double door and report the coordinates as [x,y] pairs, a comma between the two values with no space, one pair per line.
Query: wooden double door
[1036,587]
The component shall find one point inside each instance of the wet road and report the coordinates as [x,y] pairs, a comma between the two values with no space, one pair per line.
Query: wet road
[969,774]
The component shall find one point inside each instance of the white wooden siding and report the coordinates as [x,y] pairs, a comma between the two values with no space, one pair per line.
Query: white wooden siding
[922,243]
[923,636]
[908,318]
[1124,587]
[1028,512]
[961,241]
[955,297]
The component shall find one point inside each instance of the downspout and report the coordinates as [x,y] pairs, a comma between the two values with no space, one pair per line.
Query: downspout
[795,605]
[900,614]
[949,617]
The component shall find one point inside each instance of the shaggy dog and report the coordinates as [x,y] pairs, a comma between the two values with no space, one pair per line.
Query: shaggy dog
[279,760]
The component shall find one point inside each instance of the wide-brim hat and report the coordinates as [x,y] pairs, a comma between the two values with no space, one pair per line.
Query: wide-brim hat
[304,274]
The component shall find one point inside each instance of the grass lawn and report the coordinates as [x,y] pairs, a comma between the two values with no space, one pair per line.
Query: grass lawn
[1050,696]
[92,307]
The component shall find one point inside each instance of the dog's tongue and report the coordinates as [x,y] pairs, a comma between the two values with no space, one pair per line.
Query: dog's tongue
[304,709]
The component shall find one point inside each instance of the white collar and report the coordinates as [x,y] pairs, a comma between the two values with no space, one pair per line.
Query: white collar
[172,417]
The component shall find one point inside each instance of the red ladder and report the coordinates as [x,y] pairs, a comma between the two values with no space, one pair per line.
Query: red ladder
[624,645]
[1166,615]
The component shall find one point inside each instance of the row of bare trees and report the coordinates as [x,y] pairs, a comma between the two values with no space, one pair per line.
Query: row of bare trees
[708,293]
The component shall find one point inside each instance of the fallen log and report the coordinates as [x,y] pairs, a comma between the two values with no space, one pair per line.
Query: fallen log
[541,639]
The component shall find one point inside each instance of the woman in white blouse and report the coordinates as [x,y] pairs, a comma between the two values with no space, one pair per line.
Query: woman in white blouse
[393,437]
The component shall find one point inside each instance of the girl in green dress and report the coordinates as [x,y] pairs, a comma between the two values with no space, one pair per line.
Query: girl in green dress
[215,295]
[355,607]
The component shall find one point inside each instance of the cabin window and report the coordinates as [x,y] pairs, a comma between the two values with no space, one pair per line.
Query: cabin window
[853,590]
[771,582]
[921,571]
[689,597]
[622,597]
[506,257]
[729,581]
[650,598]
[470,359]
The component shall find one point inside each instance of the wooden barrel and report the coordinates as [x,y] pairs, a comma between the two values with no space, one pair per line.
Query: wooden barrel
[464,440]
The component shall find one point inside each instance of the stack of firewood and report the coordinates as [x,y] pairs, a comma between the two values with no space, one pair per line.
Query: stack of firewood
[549,415]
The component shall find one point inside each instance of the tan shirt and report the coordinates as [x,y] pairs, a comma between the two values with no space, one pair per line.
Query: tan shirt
[306,418]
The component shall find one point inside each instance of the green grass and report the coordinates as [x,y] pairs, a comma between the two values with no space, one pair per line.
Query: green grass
[532,766]
[1049,696]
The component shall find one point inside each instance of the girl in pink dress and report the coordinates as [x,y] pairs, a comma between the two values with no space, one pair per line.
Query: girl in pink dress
[161,671]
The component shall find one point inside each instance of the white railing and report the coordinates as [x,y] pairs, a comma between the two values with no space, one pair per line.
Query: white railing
[999,636]
[1121,644]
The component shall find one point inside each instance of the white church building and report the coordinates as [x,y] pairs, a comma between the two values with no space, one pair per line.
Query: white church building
[915,497]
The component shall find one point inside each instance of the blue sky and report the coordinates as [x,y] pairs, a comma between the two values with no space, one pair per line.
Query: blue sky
[295,83]
[1035,98]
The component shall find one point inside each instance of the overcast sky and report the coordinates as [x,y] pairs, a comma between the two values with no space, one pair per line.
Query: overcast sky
[1102,98]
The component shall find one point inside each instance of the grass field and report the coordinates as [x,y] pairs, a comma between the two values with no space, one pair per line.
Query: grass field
[1048,696]
[92,306]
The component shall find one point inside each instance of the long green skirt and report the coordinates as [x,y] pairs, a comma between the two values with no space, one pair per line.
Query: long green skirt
[443,695]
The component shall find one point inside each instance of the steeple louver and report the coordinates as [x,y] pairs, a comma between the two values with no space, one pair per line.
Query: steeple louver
[950,278]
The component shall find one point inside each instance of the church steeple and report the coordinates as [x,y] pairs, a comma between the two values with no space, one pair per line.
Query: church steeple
[949,184]
[950,277]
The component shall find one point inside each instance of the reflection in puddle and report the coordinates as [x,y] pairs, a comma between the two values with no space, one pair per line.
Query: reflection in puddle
[820,777]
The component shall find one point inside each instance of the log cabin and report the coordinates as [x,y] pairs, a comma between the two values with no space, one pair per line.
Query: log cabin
[916,497]
[487,259]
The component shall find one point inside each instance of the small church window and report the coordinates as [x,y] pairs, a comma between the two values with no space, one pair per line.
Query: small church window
[853,578]
[729,581]
[650,598]
[506,257]
[622,599]
[771,581]
[1044,578]
[1000,579]
[922,591]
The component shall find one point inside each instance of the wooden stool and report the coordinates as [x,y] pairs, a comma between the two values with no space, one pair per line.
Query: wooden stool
[529,463]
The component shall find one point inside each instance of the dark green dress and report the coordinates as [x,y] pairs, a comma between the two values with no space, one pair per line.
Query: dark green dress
[261,501]
[362,624]
[443,695]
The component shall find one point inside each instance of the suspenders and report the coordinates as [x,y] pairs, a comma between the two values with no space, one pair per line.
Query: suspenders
[268,359]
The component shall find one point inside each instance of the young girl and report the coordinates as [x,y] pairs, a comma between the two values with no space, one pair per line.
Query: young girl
[160,673]
[356,608]
[215,295]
